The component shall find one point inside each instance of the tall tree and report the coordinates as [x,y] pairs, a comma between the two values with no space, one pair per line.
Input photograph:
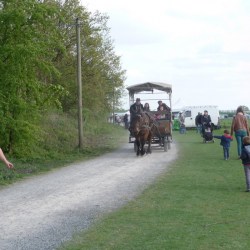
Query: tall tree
[102,74]
[38,66]
[27,43]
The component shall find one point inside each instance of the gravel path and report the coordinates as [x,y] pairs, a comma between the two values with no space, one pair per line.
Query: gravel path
[44,211]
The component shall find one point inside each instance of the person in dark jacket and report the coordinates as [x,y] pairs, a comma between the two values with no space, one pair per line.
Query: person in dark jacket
[245,158]
[225,142]
[206,121]
[198,122]
[125,119]
[136,108]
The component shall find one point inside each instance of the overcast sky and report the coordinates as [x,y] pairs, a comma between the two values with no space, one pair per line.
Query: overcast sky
[201,47]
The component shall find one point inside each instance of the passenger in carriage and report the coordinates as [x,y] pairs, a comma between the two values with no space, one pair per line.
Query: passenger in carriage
[164,105]
[146,107]
[160,115]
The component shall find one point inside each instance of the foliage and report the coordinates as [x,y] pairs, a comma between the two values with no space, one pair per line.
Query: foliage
[25,46]
[102,75]
[38,68]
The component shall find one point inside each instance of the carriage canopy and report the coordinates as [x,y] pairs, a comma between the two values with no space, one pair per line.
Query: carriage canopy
[149,87]
[163,133]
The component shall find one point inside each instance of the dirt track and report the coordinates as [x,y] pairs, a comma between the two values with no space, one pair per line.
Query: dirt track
[44,211]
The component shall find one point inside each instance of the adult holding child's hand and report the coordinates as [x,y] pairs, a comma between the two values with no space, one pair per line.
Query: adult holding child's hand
[240,128]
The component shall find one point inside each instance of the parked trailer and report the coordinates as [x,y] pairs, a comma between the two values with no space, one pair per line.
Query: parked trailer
[190,113]
[162,131]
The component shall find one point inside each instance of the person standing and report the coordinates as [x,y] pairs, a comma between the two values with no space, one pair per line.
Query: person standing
[240,128]
[245,158]
[206,119]
[206,122]
[125,119]
[225,142]
[4,160]
[181,118]
[198,122]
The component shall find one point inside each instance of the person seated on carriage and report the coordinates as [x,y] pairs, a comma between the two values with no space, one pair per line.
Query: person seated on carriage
[163,105]
[146,107]
[160,115]
[135,109]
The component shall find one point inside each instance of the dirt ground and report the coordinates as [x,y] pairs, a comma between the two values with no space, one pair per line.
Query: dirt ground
[44,211]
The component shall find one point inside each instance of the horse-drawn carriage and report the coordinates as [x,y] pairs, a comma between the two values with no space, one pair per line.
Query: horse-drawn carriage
[158,123]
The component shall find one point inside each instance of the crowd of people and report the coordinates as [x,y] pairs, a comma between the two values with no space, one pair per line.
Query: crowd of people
[240,130]
[137,108]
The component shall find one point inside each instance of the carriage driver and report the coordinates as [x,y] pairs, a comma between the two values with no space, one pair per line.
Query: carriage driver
[136,108]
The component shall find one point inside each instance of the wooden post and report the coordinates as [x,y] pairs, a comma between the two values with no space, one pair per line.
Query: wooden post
[79,84]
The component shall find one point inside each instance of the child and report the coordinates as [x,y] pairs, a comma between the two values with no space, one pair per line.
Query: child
[225,143]
[160,115]
[245,157]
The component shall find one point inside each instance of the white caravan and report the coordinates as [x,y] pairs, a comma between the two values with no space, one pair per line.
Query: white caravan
[190,113]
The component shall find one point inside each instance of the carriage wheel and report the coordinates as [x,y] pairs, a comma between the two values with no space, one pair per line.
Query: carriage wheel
[169,144]
[161,142]
[165,144]
[135,147]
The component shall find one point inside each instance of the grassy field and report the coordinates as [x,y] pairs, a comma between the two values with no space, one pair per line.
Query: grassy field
[199,203]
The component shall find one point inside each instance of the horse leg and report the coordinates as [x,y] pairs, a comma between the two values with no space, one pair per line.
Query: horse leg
[142,147]
[143,142]
[149,143]
[138,146]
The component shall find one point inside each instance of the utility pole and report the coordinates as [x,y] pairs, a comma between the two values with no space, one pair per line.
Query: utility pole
[79,84]
[113,105]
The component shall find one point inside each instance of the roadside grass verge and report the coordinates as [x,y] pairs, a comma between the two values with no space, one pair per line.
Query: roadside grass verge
[199,203]
[99,139]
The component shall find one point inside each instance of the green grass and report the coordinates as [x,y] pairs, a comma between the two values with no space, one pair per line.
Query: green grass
[199,203]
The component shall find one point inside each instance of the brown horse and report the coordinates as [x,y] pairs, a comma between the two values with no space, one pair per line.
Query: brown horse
[140,128]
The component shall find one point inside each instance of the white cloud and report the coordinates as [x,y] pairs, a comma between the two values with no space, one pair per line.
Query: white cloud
[200,47]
